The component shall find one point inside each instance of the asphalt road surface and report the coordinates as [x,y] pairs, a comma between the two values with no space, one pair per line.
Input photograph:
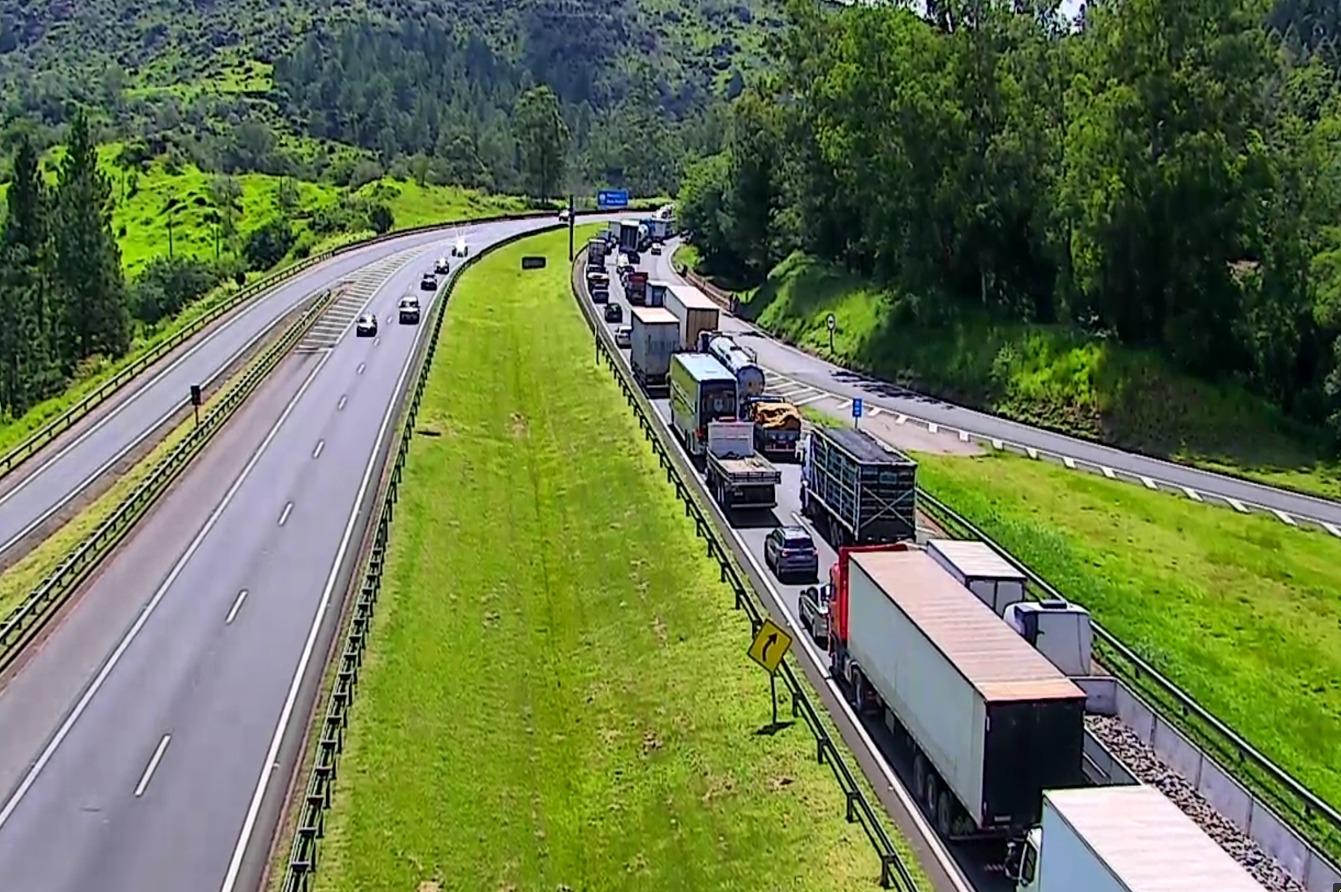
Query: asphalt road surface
[979,863]
[148,741]
[807,369]
[39,489]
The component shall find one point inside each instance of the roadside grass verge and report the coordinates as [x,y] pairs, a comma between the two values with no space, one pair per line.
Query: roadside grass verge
[1049,375]
[1240,611]
[556,693]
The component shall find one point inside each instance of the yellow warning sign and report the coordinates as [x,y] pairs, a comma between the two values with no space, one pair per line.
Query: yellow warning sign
[769,645]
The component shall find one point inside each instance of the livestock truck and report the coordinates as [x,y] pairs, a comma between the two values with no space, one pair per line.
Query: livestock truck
[696,312]
[655,336]
[990,722]
[1121,839]
[736,476]
[701,391]
[856,490]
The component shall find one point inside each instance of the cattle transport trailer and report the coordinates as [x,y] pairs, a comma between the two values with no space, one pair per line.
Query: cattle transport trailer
[857,491]
[991,723]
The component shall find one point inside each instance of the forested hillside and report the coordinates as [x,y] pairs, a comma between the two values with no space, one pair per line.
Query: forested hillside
[422,88]
[1165,178]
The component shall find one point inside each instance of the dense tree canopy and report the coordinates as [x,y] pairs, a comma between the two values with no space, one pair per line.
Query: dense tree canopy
[1168,174]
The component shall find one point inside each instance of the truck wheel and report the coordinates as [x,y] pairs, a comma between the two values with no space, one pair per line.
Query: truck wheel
[919,776]
[856,693]
[930,792]
[945,813]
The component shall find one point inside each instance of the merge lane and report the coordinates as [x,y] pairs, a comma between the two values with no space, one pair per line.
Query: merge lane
[217,688]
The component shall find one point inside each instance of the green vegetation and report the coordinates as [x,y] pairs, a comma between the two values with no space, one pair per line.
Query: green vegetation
[556,694]
[1241,611]
[1051,375]
[1163,178]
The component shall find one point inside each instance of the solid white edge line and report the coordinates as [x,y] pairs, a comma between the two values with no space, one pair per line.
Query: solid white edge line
[284,515]
[153,764]
[237,605]
[16,798]
[286,714]
[31,777]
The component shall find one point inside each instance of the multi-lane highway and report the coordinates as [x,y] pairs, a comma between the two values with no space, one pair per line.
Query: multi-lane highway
[148,741]
[810,370]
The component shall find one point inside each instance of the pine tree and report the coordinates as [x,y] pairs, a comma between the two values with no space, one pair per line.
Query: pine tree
[29,367]
[88,260]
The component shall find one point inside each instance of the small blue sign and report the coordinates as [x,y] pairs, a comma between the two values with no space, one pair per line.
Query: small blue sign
[856,408]
[612,198]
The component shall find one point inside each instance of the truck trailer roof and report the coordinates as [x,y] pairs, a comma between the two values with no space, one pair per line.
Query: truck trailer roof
[1147,841]
[704,367]
[862,446]
[975,559]
[692,298]
[653,315]
[999,664]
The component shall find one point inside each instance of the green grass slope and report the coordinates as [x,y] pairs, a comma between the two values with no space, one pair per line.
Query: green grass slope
[1046,375]
[1239,610]
[557,694]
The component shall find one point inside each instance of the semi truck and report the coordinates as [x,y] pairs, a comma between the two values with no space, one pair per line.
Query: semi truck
[856,490]
[777,426]
[979,568]
[612,230]
[696,312]
[635,287]
[749,376]
[628,237]
[656,292]
[701,391]
[658,230]
[1121,839]
[596,251]
[736,476]
[990,722]
[655,336]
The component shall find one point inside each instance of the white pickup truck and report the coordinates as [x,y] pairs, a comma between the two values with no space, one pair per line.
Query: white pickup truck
[737,477]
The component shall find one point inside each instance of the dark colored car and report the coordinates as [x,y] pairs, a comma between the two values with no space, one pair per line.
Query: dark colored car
[366,326]
[790,553]
[409,310]
[814,604]
[428,283]
[442,267]
[614,313]
[600,296]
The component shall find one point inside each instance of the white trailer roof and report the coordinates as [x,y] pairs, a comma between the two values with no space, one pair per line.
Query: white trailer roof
[1000,664]
[692,298]
[653,315]
[975,559]
[1147,841]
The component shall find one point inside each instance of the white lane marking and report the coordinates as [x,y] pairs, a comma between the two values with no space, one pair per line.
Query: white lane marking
[900,418]
[286,715]
[963,436]
[359,370]
[1069,462]
[344,398]
[997,444]
[237,605]
[1284,518]
[101,678]
[876,410]
[1237,505]
[843,405]
[808,400]
[153,764]
[1332,528]
[933,427]
[1192,493]
[316,453]
[1149,484]
[1031,452]
[377,340]
[1108,472]
[284,515]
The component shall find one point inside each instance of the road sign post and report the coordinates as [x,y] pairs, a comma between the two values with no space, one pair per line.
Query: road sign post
[770,643]
[572,223]
[195,402]
[832,323]
[856,411]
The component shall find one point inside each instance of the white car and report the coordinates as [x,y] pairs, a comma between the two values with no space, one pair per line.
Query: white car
[459,249]
[623,336]
[441,266]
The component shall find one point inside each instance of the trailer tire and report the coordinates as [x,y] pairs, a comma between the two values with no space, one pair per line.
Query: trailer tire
[930,792]
[919,777]
[945,812]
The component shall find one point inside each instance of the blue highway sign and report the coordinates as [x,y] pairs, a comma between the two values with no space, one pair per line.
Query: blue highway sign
[856,408]
[612,198]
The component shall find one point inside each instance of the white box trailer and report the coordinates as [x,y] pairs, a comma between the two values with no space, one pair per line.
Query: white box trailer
[1122,839]
[992,723]
[655,336]
[696,312]
[981,570]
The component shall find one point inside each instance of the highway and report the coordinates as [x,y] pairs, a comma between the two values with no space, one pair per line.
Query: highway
[978,864]
[844,384]
[149,740]
[38,495]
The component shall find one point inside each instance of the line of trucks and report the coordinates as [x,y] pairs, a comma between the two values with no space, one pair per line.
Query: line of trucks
[984,688]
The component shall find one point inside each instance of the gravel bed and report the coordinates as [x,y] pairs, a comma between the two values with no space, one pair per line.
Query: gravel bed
[1149,769]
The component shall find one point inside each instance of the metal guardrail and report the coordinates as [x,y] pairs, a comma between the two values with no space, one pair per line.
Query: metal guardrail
[893,872]
[1311,815]
[63,422]
[330,744]
[26,620]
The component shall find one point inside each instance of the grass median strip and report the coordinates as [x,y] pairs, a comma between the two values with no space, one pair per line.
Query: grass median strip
[557,694]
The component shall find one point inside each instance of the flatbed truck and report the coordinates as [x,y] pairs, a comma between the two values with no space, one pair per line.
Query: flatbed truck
[736,476]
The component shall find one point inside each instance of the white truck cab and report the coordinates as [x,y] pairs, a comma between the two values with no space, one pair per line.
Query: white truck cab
[1057,629]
